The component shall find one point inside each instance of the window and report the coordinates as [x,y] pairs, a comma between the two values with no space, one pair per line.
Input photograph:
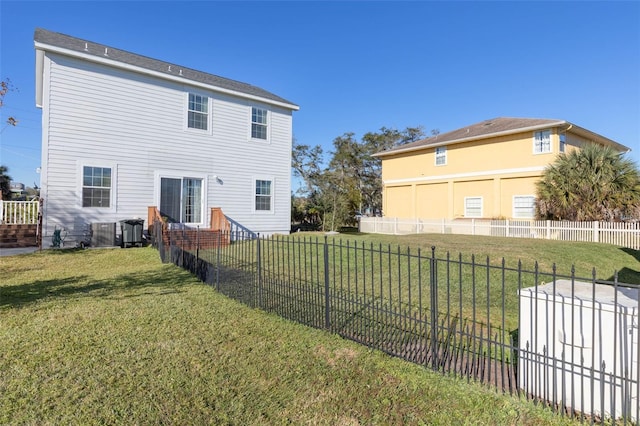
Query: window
[198,112]
[542,142]
[524,206]
[258,123]
[441,156]
[264,195]
[96,186]
[563,142]
[181,199]
[473,207]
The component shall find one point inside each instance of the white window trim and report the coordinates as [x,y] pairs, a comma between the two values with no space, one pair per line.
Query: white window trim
[114,179]
[535,152]
[436,156]
[250,137]
[481,207]
[185,113]
[173,174]
[513,206]
[273,195]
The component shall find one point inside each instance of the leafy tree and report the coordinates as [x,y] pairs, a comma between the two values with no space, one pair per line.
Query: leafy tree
[5,179]
[6,87]
[5,183]
[352,180]
[593,183]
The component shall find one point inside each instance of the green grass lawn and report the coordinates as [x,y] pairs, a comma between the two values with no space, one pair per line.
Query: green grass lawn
[605,259]
[379,268]
[116,337]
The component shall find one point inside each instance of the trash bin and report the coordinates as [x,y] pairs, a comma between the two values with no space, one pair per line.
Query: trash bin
[131,232]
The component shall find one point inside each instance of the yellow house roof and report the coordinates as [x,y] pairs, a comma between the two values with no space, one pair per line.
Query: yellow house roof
[500,126]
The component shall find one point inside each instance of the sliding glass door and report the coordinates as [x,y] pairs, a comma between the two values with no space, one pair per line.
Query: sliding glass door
[181,199]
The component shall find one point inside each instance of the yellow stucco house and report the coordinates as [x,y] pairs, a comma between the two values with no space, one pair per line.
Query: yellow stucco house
[485,170]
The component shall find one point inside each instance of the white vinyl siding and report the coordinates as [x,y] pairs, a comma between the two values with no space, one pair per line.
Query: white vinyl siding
[90,110]
[542,142]
[524,207]
[473,207]
[441,156]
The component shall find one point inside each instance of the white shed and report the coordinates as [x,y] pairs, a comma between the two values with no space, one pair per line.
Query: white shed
[579,346]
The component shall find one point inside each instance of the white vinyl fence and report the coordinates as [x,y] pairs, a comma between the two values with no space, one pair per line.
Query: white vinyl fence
[618,233]
[19,212]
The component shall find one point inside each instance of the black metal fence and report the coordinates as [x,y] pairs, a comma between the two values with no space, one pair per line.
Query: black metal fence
[569,342]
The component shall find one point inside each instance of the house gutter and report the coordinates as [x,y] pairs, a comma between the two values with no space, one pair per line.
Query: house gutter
[179,79]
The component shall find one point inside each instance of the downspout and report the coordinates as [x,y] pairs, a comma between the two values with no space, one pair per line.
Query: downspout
[565,132]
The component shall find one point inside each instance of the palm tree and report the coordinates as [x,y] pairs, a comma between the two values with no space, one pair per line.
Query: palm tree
[593,183]
[5,183]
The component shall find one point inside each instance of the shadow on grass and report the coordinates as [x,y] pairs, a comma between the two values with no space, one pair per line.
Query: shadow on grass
[628,275]
[130,285]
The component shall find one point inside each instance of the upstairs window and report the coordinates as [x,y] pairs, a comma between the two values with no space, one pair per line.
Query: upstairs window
[563,142]
[542,142]
[441,156]
[198,112]
[263,195]
[96,186]
[259,123]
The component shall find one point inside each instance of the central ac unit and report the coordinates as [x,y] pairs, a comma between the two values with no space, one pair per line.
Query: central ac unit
[103,234]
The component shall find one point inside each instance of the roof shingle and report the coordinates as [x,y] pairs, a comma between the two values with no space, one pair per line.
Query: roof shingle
[491,128]
[87,47]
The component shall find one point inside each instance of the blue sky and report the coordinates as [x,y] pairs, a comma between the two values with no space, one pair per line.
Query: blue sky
[358,66]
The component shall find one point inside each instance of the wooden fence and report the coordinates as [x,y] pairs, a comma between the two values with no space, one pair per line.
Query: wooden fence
[624,234]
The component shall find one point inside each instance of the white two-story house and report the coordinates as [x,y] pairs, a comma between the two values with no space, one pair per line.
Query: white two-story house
[122,132]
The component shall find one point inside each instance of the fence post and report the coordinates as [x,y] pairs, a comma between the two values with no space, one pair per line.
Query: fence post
[395,226]
[1,209]
[259,262]
[197,243]
[596,231]
[433,284]
[182,248]
[218,259]
[327,307]
[548,229]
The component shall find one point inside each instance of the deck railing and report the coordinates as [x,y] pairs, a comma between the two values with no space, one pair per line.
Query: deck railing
[19,212]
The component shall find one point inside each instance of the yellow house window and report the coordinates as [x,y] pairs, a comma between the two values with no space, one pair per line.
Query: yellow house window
[441,156]
[473,207]
[563,142]
[542,142]
[524,206]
